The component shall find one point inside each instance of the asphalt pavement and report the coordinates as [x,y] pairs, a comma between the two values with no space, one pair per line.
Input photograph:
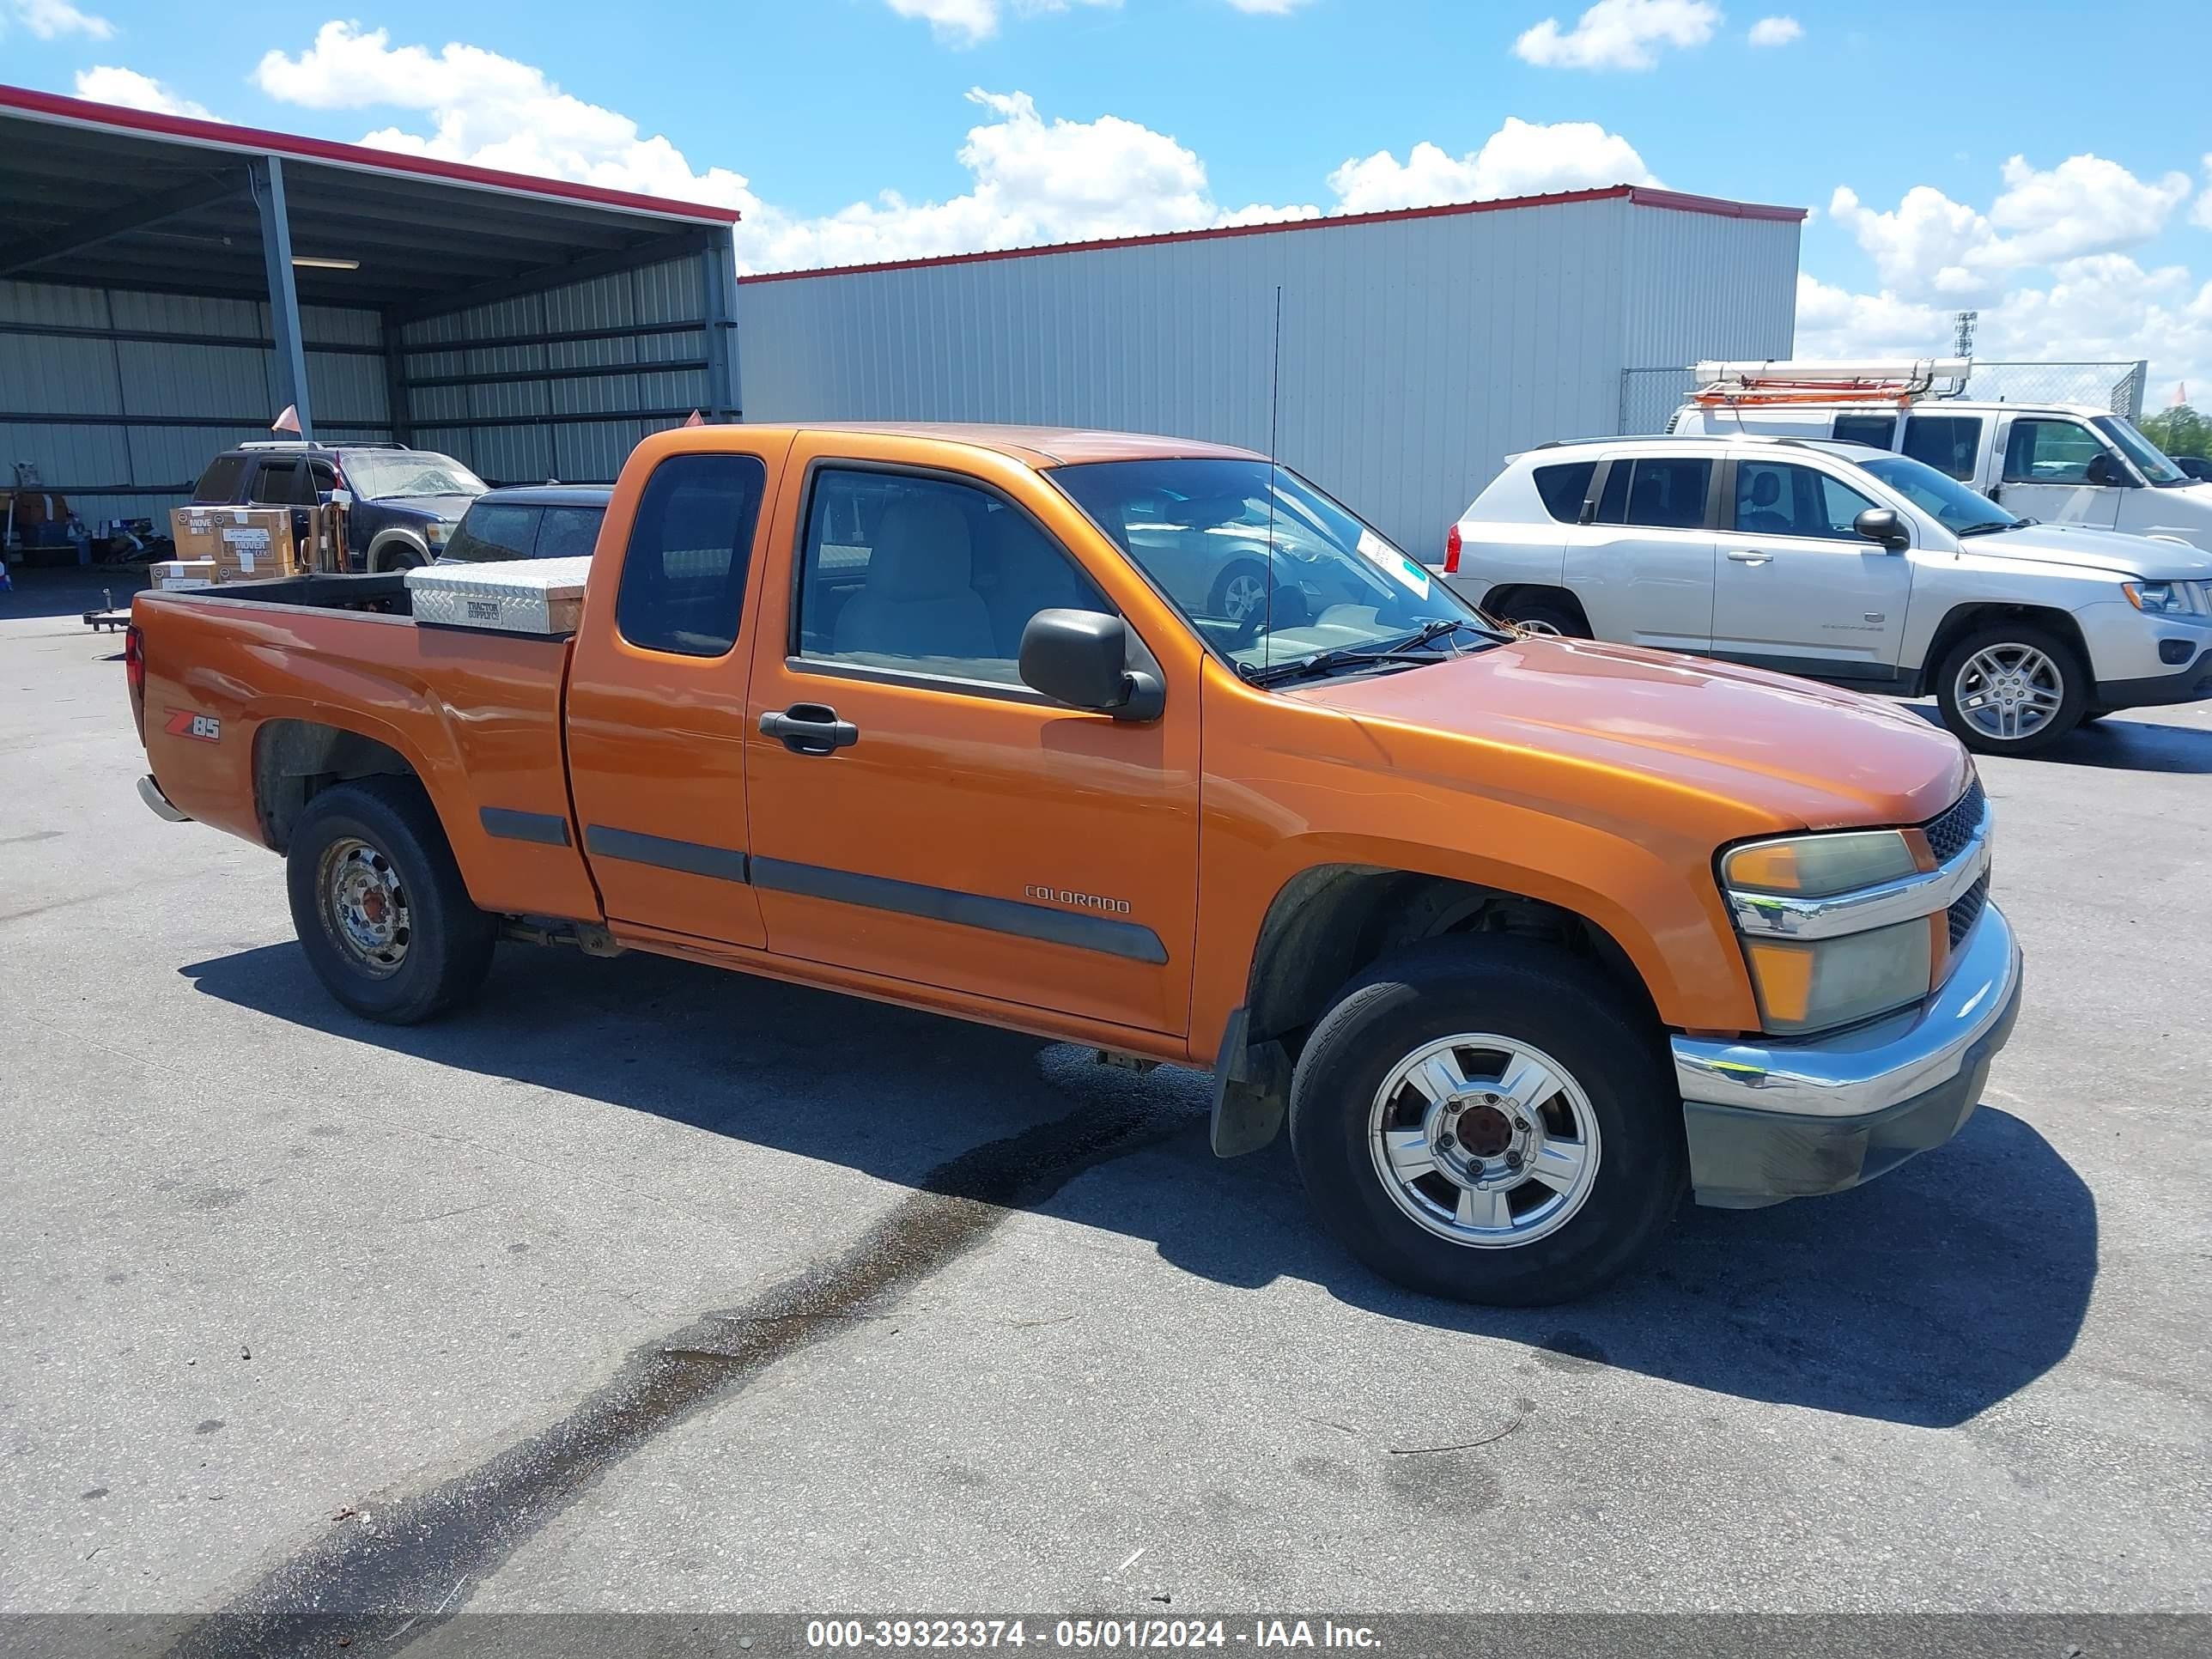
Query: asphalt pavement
[640,1285]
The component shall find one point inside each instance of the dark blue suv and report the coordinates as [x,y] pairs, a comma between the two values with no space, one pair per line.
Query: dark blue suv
[405,503]
[530,521]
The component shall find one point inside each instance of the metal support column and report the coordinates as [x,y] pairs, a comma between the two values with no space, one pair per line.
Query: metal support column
[399,410]
[267,172]
[721,318]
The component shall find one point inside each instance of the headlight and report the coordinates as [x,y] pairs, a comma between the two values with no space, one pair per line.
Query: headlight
[1814,985]
[2169,599]
[435,534]
[1818,867]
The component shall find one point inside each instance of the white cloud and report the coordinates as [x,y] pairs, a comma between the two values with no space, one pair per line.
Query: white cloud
[1269,8]
[108,84]
[1521,158]
[50,20]
[1619,34]
[1775,31]
[964,22]
[1931,245]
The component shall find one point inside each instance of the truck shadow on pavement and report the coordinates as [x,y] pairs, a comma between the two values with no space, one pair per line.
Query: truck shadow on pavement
[2120,744]
[1924,1298]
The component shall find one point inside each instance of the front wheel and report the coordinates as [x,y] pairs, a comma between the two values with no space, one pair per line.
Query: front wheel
[2012,690]
[380,905]
[1489,1118]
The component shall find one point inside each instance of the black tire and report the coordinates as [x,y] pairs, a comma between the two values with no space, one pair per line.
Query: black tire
[2091,716]
[1543,614]
[447,949]
[401,555]
[1532,993]
[2065,661]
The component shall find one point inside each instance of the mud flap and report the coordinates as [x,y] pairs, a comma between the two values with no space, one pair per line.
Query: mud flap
[1251,1090]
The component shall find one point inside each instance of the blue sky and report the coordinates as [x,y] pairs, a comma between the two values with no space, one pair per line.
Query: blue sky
[857,129]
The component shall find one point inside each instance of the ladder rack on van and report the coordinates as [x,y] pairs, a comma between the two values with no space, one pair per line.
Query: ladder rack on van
[1754,385]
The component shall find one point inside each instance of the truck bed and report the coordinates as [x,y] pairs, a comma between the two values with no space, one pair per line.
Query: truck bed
[257,692]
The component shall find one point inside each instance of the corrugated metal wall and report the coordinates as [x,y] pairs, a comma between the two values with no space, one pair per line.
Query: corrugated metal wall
[1416,352]
[562,384]
[120,398]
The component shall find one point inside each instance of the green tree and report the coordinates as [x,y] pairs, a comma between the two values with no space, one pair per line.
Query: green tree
[2179,430]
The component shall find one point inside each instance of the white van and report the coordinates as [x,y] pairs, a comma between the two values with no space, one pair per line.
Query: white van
[2052,462]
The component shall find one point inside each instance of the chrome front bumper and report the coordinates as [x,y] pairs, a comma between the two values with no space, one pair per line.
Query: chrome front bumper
[1767,1121]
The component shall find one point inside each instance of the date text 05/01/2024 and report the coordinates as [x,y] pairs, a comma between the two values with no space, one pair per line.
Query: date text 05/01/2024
[1109,1634]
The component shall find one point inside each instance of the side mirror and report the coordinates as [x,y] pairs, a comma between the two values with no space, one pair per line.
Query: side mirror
[1081,657]
[2104,470]
[1881,524]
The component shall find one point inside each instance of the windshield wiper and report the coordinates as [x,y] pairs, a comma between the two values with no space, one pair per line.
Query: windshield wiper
[1990,526]
[1409,652]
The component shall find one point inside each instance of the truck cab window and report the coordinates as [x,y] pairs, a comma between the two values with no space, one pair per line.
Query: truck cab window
[1949,443]
[928,576]
[2051,451]
[684,575]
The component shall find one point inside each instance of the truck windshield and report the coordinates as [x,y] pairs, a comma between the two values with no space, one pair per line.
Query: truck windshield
[1961,510]
[2148,456]
[378,475]
[1200,528]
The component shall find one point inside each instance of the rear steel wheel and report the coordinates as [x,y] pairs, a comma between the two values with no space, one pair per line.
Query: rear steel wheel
[364,906]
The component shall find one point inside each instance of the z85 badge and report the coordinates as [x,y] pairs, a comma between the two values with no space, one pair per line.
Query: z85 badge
[183,723]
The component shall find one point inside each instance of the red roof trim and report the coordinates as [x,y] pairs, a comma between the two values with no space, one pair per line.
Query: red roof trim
[1639,195]
[81,111]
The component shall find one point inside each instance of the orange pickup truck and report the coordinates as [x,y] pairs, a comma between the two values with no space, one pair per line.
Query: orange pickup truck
[1148,745]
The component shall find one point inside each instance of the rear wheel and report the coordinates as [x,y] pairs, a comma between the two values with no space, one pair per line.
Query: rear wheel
[380,905]
[2014,689]
[1537,613]
[1489,1118]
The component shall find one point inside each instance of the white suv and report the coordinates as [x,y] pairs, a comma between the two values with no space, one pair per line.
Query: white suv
[1844,563]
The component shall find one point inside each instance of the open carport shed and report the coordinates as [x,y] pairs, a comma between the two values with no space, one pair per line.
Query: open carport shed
[168,285]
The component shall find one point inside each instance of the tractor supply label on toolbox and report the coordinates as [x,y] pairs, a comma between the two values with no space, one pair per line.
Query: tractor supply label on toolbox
[184,723]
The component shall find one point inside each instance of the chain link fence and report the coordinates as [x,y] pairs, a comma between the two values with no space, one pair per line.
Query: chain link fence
[1649,396]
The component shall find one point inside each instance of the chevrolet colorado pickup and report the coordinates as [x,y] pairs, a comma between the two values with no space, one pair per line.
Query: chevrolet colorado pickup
[1522,937]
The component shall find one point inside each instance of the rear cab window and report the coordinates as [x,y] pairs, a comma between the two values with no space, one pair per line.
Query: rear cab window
[682,587]
[569,532]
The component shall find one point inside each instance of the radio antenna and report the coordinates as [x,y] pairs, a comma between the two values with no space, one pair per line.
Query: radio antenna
[1275,406]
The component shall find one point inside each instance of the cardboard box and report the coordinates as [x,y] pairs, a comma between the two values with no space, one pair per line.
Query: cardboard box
[246,544]
[168,573]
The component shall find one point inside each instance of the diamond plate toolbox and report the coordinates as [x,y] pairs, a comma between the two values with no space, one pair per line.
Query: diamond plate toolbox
[522,596]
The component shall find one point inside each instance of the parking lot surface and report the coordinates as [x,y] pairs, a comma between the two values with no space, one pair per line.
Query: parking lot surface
[641,1285]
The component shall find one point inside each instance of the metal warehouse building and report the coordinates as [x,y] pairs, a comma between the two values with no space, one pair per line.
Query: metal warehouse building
[168,285]
[1417,347]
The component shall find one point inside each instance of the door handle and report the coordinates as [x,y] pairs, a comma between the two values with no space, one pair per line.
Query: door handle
[810,728]
[1750,556]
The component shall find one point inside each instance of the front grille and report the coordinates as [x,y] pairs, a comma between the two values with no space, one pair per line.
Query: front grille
[1967,909]
[1949,830]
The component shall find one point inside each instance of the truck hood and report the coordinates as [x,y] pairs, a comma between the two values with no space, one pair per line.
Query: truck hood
[2112,552]
[1793,751]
